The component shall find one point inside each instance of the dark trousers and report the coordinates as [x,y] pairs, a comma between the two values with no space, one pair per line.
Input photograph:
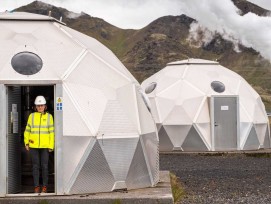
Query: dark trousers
[40,157]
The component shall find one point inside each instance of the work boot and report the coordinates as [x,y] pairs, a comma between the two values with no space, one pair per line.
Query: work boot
[44,189]
[37,189]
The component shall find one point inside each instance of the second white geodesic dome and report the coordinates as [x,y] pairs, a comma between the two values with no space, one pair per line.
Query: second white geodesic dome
[191,103]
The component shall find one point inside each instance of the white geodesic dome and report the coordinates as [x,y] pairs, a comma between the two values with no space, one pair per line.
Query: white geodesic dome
[199,105]
[106,138]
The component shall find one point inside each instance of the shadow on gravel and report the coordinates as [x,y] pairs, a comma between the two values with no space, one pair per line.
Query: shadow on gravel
[222,177]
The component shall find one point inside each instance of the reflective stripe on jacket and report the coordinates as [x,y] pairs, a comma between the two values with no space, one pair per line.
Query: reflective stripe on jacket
[39,131]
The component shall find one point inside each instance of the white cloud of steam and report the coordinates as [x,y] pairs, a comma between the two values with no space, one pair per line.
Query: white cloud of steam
[73,15]
[223,17]
[200,35]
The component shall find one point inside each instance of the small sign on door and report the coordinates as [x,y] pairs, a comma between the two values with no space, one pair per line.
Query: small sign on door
[224,107]
[59,103]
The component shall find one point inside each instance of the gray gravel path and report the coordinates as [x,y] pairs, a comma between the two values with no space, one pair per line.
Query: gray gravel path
[227,178]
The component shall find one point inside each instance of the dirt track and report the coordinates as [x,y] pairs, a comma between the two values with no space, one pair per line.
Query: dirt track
[221,178]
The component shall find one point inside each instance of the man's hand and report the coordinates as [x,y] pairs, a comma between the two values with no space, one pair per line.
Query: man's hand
[50,150]
[27,147]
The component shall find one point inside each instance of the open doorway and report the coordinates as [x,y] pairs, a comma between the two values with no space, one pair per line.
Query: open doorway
[20,101]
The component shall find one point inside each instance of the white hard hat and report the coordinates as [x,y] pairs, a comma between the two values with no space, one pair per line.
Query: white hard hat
[40,100]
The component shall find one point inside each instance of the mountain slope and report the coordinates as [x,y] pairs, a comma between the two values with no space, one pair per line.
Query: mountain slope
[246,7]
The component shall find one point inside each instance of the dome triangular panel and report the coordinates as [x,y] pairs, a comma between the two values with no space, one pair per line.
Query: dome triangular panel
[194,142]
[252,141]
[177,133]
[73,122]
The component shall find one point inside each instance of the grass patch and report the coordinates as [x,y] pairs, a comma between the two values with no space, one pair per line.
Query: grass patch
[214,154]
[43,202]
[117,201]
[220,154]
[259,155]
[177,189]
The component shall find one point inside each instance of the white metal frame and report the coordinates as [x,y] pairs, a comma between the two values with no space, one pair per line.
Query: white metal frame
[3,140]
[58,120]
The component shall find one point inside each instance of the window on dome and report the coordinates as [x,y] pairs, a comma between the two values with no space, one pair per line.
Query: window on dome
[150,87]
[26,63]
[218,86]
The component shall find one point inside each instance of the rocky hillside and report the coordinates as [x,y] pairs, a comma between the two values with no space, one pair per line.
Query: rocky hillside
[146,51]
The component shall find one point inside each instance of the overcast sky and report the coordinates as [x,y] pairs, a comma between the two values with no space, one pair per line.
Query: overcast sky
[121,13]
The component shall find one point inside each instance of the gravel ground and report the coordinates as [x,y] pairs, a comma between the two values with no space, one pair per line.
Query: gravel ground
[221,178]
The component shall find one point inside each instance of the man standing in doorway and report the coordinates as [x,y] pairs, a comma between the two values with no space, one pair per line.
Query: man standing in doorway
[39,140]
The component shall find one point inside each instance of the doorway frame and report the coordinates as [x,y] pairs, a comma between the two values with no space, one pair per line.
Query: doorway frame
[58,122]
[3,140]
[212,99]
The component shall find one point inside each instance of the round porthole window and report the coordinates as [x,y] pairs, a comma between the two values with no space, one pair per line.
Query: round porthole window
[26,63]
[218,86]
[150,87]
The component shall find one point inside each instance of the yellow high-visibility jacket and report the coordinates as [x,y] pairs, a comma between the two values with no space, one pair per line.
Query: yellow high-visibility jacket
[39,131]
